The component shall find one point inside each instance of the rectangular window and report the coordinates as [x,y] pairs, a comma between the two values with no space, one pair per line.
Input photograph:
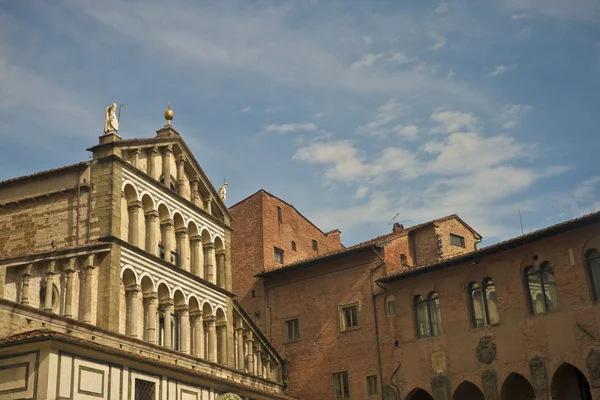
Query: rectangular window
[372,385]
[457,240]
[279,214]
[278,255]
[315,245]
[340,381]
[292,329]
[144,390]
[349,316]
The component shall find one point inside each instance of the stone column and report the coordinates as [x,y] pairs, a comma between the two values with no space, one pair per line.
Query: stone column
[87,295]
[220,256]
[152,228]
[167,307]
[166,169]
[168,245]
[183,238]
[249,354]
[222,337]
[152,307]
[208,204]
[198,334]
[69,270]
[180,174]
[259,367]
[212,339]
[151,163]
[131,293]
[136,157]
[210,262]
[195,193]
[268,366]
[135,209]
[239,329]
[184,325]
[197,256]
[25,284]
[49,285]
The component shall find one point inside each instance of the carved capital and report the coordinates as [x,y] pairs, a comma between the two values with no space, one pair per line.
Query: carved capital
[182,231]
[209,246]
[151,296]
[152,214]
[168,223]
[133,289]
[180,159]
[167,150]
[182,308]
[26,274]
[136,204]
[70,265]
[89,262]
[153,151]
[196,239]
[166,304]
[196,314]
[51,267]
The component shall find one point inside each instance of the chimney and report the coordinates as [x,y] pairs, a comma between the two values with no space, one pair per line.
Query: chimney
[397,227]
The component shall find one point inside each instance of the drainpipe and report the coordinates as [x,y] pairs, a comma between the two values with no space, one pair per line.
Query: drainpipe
[373,299]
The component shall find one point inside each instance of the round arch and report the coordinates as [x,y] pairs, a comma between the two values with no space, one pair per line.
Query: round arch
[147,201]
[164,211]
[220,314]
[147,283]
[164,292]
[207,309]
[516,387]
[178,220]
[129,276]
[568,382]
[178,297]
[206,236]
[131,193]
[467,391]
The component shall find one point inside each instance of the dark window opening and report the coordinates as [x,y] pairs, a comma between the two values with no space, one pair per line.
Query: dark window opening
[372,385]
[457,240]
[342,388]
[293,246]
[428,315]
[483,304]
[279,214]
[349,317]
[315,245]
[278,253]
[293,329]
[541,288]
[253,293]
[144,390]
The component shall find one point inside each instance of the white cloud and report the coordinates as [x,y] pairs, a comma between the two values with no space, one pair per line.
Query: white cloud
[367,40]
[440,41]
[285,128]
[386,114]
[452,121]
[441,9]
[367,61]
[582,10]
[517,17]
[361,192]
[401,57]
[501,69]
[408,131]
[246,110]
[513,113]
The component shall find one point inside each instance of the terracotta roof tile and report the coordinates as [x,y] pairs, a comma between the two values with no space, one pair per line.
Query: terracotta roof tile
[48,171]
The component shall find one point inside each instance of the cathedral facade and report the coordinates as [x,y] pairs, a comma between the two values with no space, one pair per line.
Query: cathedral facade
[116,283]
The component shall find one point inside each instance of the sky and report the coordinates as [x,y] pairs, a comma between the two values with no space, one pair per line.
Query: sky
[359,113]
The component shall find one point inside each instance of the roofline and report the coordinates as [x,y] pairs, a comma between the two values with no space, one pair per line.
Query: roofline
[289,205]
[308,263]
[498,247]
[45,172]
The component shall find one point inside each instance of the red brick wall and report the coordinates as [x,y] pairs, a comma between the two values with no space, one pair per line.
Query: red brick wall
[561,336]
[454,226]
[314,295]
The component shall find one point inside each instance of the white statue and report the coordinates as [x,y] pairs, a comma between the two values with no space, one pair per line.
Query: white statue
[111,123]
[223,191]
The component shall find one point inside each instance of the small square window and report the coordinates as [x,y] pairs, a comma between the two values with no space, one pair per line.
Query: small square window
[253,293]
[278,255]
[292,327]
[372,385]
[279,214]
[457,240]
[315,245]
[349,317]
[342,388]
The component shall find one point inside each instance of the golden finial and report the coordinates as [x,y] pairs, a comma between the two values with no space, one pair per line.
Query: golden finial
[169,113]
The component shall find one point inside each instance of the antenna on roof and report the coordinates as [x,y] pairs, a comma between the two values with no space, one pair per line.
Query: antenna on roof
[393,219]
[521,220]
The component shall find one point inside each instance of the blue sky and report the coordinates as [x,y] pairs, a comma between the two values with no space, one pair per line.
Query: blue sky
[353,111]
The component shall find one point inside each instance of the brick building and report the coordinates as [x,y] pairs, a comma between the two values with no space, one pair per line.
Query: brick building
[422,314]
[115,282]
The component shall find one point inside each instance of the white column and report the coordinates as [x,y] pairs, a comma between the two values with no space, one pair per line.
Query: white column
[180,174]
[152,307]
[198,334]
[195,193]
[268,366]
[49,285]
[222,347]
[210,262]
[152,171]
[25,284]
[184,327]
[87,295]
[136,157]
[197,256]
[249,352]
[152,231]
[183,238]
[131,292]
[69,270]
[168,239]
[259,367]
[241,364]
[212,338]
[208,204]
[167,307]
[135,210]
[167,152]
[220,261]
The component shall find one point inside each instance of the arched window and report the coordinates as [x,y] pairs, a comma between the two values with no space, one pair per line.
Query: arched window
[428,315]
[541,288]
[592,258]
[390,305]
[161,328]
[484,308]
[403,260]
[172,185]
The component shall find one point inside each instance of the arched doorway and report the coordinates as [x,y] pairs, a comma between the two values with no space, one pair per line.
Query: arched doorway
[418,394]
[516,387]
[467,391]
[569,383]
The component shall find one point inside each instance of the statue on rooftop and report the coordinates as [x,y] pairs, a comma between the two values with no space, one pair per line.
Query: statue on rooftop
[223,191]
[111,122]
